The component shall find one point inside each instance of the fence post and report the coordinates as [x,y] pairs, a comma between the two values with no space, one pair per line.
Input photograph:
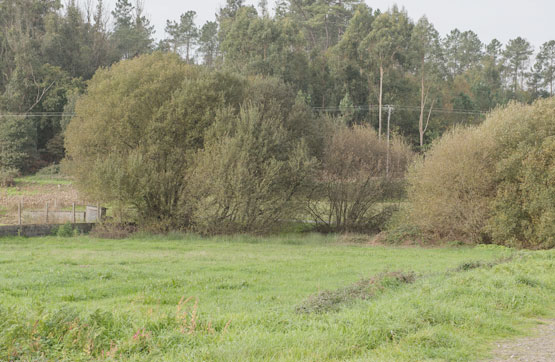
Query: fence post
[19,206]
[47,212]
[98,212]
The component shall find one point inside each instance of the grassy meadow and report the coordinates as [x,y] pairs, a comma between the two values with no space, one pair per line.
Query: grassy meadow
[289,298]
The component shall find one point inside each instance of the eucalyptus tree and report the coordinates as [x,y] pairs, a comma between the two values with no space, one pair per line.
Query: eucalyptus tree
[387,44]
[428,58]
[351,61]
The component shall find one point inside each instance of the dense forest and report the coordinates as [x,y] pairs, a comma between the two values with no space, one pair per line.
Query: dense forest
[341,56]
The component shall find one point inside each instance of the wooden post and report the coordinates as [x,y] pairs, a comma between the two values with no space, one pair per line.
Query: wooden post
[47,212]
[73,211]
[98,212]
[19,205]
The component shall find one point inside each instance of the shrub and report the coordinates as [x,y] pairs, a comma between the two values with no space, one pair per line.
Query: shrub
[65,230]
[275,99]
[493,183]
[450,189]
[354,177]
[7,177]
[246,180]
[523,211]
[138,126]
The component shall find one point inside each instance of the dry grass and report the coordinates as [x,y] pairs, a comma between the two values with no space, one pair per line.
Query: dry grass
[34,194]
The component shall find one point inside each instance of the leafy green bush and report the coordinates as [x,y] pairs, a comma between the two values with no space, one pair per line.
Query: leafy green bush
[523,211]
[7,176]
[247,179]
[138,126]
[492,183]
[64,231]
[50,171]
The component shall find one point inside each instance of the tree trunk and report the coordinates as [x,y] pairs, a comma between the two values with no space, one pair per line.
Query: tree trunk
[327,32]
[422,104]
[380,103]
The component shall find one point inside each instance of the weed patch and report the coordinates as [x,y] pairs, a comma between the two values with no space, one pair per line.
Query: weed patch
[331,300]
[469,265]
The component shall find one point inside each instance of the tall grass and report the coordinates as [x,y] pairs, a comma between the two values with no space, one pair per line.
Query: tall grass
[178,298]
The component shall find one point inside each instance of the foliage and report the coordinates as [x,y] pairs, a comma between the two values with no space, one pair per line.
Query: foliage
[137,127]
[325,50]
[524,209]
[517,54]
[183,34]
[7,177]
[64,231]
[17,143]
[276,99]
[132,35]
[247,179]
[451,188]
[355,176]
[490,183]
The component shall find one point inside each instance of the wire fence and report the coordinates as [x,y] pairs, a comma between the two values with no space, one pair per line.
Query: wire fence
[27,211]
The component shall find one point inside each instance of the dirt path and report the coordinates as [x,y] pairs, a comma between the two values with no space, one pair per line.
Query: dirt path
[538,348]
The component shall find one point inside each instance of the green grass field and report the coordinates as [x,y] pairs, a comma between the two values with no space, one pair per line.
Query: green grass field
[187,298]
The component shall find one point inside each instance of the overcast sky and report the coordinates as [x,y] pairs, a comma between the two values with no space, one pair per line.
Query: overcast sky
[501,19]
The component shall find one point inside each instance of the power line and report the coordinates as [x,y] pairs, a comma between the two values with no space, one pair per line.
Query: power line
[409,108]
[36,114]
[370,107]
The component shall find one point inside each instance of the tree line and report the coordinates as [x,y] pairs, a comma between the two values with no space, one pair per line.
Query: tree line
[340,56]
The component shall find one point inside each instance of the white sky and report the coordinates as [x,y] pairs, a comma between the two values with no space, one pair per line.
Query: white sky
[501,19]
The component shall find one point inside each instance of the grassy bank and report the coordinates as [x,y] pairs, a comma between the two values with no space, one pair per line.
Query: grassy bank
[187,298]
